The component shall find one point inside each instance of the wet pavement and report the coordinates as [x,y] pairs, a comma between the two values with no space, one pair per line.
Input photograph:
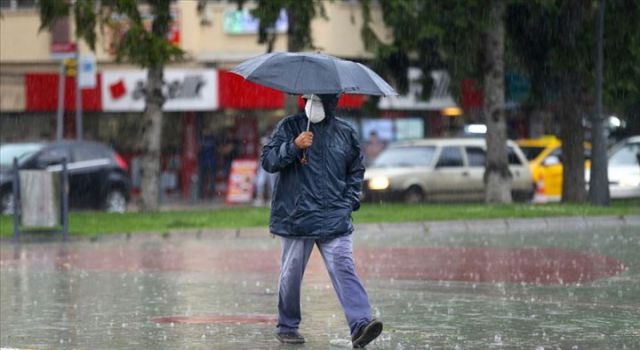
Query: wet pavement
[560,289]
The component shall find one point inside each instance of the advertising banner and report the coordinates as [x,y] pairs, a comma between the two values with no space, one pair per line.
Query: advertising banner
[184,89]
[241,179]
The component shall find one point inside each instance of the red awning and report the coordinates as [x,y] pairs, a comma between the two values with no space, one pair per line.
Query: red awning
[41,93]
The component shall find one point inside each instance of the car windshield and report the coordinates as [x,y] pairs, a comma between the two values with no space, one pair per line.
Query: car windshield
[531,152]
[626,155]
[20,151]
[405,157]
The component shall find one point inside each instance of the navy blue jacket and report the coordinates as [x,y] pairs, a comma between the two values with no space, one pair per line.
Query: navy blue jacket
[314,200]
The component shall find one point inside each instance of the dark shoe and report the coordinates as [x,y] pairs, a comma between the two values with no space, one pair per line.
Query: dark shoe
[366,334]
[290,338]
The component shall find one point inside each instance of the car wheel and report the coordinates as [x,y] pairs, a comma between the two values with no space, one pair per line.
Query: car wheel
[115,202]
[6,203]
[413,194]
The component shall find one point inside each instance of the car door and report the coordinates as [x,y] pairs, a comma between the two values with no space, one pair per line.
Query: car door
[88,173]
[450,176]
[551,174]
[520,172]
[476,160]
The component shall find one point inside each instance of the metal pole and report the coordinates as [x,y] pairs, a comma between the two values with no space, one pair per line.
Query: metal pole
[60,114]
[65,199]
[16,195]
[78,94]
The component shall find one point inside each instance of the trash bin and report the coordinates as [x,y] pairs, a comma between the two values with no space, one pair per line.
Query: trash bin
[40,203]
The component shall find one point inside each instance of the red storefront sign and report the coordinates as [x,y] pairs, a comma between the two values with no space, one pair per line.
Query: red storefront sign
[41,93]
[235,92]
[345,102]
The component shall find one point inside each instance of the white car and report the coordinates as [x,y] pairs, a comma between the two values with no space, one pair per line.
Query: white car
[440,169]
[624,168]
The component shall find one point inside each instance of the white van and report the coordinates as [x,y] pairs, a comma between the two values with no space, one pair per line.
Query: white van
[440,170]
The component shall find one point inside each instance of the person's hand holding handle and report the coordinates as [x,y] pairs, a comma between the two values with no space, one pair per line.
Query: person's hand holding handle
[304,141]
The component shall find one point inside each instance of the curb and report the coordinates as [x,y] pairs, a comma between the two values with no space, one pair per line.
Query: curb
[485,226]
[533,225]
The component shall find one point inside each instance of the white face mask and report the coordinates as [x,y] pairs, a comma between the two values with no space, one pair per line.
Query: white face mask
[314,109]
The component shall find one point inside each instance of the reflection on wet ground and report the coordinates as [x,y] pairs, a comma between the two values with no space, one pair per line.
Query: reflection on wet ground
[570,290]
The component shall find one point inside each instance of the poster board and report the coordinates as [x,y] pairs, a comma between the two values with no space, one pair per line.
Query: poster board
[409,128]
[384,128]
[241,181]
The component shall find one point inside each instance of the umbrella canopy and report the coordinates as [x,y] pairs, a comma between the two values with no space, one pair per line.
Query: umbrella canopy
[312,73]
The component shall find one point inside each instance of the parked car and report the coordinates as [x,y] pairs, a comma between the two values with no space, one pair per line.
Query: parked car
[545,161]
[440,169]
[624,168]
[98,176]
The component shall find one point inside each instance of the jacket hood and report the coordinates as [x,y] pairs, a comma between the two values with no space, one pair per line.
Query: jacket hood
[330,104]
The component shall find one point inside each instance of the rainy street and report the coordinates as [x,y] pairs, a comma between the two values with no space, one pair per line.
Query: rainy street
[539,290]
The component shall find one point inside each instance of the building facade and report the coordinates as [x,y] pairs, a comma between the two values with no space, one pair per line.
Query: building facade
[206,107]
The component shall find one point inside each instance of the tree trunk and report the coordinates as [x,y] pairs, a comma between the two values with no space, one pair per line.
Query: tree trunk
[152,118]
[152,137]
[497,176]
[599,180]
[572,135]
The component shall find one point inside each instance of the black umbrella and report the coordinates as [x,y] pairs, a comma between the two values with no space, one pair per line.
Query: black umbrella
[312,73]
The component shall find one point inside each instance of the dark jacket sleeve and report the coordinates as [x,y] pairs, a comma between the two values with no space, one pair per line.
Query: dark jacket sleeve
[280,151]
[355,173]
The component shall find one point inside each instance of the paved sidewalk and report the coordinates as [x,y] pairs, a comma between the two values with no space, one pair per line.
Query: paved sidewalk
[567,283]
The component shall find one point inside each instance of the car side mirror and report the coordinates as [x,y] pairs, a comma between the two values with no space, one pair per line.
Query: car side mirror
[638,157]
[551,160]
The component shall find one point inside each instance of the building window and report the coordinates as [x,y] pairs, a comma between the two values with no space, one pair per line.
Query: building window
[18,4]
[26,4]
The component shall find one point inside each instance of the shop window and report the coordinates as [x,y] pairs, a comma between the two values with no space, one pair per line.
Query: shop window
[18,4]
[26,4]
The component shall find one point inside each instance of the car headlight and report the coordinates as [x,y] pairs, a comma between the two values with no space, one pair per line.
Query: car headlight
[379,183]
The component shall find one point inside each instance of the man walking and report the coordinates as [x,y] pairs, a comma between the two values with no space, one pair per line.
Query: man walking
[318,159]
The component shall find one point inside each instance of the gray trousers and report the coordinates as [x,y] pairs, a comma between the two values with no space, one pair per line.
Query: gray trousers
[337,254]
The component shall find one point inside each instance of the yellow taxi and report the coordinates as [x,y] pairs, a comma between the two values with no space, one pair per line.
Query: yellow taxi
[545,161]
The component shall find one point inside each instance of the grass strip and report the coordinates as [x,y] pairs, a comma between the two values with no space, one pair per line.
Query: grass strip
[93,223]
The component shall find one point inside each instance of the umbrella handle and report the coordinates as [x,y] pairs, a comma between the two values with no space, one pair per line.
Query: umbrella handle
[304,159]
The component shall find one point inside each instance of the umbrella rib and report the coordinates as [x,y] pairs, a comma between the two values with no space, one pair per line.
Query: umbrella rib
[338,75]
[373,80]
[295,85]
